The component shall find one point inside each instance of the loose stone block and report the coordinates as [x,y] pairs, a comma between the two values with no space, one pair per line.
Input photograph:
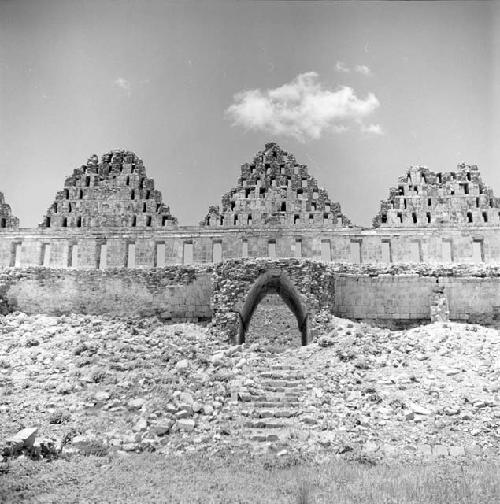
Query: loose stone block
[440,451]
[23,439]
[185,424]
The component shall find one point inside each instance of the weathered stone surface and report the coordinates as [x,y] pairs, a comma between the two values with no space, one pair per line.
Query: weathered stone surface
[115,192]
[185,424]
[274,190]
[101,396]
[141,425]
[136,403]
[23,439]
[426,198]
[7,220]
[182,365]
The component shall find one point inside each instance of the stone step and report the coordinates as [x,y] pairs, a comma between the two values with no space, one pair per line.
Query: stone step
[275,403]
[276,368]
[281,376]
[283,390]
[281,383]
[270,413]
[264,437]
[308,419]
[276,398]
[264,424]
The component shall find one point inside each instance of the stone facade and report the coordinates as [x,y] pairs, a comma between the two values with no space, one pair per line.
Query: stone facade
[274,190]
[105,248]
[424,198]
[387,295]
[177,293]
[110,216]
[113,193]
[7,220]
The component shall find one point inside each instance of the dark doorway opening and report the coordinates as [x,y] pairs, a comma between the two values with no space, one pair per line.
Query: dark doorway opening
[274,283]
[272,327]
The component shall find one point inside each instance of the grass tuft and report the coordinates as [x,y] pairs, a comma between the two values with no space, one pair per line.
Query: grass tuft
[304,493]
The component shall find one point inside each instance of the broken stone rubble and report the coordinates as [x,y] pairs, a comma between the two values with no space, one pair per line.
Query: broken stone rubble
[434,388]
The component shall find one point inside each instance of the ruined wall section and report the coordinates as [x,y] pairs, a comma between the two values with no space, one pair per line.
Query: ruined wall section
[274,190]
[178,294]
[398,298]
[113,193]
[233,279]
[392,295]
[7,220]
[425,198]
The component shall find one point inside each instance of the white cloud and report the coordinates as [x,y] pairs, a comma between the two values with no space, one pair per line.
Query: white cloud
[374,129]
[301,108]
[340,67]
[124,84]
[363,69]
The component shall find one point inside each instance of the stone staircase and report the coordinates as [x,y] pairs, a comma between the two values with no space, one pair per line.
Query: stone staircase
[271,409]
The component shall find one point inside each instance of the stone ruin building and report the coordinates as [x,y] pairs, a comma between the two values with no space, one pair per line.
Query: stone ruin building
[109,245]
[109,215]
[7,220]
[113,193]
[425,198]
[274,190]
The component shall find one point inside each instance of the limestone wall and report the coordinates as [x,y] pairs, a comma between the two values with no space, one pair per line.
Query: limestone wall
[398,299]
[175,293]
[139,248]
[391,295]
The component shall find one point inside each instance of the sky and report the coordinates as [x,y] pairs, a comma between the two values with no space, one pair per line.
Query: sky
[358,91]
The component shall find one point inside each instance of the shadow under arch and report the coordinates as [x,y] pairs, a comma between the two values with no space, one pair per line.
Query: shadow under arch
[273,282]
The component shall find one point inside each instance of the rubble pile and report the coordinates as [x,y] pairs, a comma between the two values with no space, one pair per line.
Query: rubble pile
[440,311]
[97,386]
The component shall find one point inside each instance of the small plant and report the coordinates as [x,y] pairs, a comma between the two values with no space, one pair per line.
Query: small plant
[80,349]
[272,462]
[59,417]
[4,467]
[304,493]
[69,435]
[346,354]
[93,448]
[325,341]
[365,459]
[361,363]
[98,375]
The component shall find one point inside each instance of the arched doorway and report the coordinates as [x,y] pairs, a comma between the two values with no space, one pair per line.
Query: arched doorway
[273,282]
